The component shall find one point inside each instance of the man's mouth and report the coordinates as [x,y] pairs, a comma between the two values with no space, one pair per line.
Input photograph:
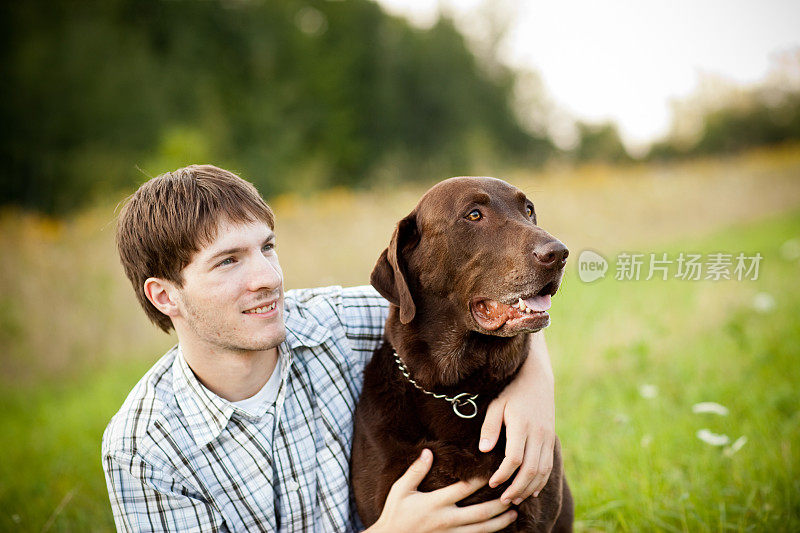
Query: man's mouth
[529,314]
[262,309]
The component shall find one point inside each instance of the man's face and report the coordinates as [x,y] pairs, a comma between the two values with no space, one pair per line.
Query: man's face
[232,295]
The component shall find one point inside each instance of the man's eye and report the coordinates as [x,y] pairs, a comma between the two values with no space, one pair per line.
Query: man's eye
[228,261]
[268,247]
[474,215]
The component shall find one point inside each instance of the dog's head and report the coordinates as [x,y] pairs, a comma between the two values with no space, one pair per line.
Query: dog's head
[471,253]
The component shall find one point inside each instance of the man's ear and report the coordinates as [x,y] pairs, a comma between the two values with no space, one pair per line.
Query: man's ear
[162,294]
[389,277]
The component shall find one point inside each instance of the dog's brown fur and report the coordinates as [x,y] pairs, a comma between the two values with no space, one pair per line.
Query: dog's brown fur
[437,264]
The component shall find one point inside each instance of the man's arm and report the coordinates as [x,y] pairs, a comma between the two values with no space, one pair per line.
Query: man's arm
[364,314]
[527,408]
[142,501]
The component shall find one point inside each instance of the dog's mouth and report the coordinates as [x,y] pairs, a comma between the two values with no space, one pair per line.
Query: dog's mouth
[526,314]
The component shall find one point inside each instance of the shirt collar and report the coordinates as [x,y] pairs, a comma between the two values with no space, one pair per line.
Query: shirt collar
[304,330]
[206,413]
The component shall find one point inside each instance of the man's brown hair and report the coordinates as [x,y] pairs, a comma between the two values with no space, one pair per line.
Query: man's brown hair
[172,216]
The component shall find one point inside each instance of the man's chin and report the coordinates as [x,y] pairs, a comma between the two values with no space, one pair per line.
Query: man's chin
[266,336]
[256,343]
[275,342]
[268,343]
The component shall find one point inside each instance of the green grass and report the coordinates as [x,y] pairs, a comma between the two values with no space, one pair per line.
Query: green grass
[50,472]
[634,464]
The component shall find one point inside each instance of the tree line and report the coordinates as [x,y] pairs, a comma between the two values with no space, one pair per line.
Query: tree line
[294,95]
[291,94]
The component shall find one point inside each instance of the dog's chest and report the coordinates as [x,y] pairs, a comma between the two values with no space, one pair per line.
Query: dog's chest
[456,441]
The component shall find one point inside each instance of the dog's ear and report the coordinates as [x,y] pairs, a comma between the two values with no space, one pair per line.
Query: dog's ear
[389,277]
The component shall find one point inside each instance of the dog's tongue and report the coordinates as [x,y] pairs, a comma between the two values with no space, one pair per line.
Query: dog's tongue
[538,303]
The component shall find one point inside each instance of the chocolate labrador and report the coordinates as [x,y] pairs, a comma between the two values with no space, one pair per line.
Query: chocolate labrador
[469,275]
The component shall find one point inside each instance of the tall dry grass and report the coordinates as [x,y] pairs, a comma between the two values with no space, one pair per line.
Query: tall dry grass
[65,306]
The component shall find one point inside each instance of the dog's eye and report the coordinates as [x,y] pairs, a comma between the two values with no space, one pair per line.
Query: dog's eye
[475,215]
[529,211]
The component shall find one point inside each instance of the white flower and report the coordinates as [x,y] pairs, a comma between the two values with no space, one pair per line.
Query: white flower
[646,440]
[712,438]
[710,407]
[763,302]
[648,391]
[736,446]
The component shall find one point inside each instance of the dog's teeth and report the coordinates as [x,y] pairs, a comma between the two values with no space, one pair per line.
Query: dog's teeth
[521,304]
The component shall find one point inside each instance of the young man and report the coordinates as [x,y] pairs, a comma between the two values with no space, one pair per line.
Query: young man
[246,424]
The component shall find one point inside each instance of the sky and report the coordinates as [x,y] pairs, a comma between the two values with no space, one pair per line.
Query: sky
[625,60]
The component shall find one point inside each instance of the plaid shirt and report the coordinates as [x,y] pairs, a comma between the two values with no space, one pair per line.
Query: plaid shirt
[177,457]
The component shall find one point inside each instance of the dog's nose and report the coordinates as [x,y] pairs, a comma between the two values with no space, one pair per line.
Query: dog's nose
[552,254]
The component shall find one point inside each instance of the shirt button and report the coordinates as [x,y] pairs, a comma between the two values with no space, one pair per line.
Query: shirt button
[292,485]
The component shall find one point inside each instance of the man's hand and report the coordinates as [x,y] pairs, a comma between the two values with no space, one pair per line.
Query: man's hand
[527,408]
[407,509]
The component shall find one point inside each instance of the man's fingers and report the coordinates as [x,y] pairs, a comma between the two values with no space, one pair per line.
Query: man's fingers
[490,430]
[515,450]
[412,477]
[495,524]
[545,468]
[535,486]
[527,473]
[458,491]
[530,490]
[506,469]
[479,512]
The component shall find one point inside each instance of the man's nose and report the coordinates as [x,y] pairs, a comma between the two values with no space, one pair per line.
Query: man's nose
[265,274]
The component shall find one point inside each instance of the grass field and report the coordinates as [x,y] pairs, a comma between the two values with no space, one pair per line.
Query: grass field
[631,357]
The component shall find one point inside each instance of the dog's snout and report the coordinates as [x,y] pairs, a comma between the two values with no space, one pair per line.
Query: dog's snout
[552,254]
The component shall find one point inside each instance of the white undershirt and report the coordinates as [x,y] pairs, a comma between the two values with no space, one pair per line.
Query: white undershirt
[268,393]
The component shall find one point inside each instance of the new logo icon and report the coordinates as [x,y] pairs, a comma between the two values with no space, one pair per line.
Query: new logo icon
[591,266]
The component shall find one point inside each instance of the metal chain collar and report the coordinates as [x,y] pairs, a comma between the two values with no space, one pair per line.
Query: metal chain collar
[457,401]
